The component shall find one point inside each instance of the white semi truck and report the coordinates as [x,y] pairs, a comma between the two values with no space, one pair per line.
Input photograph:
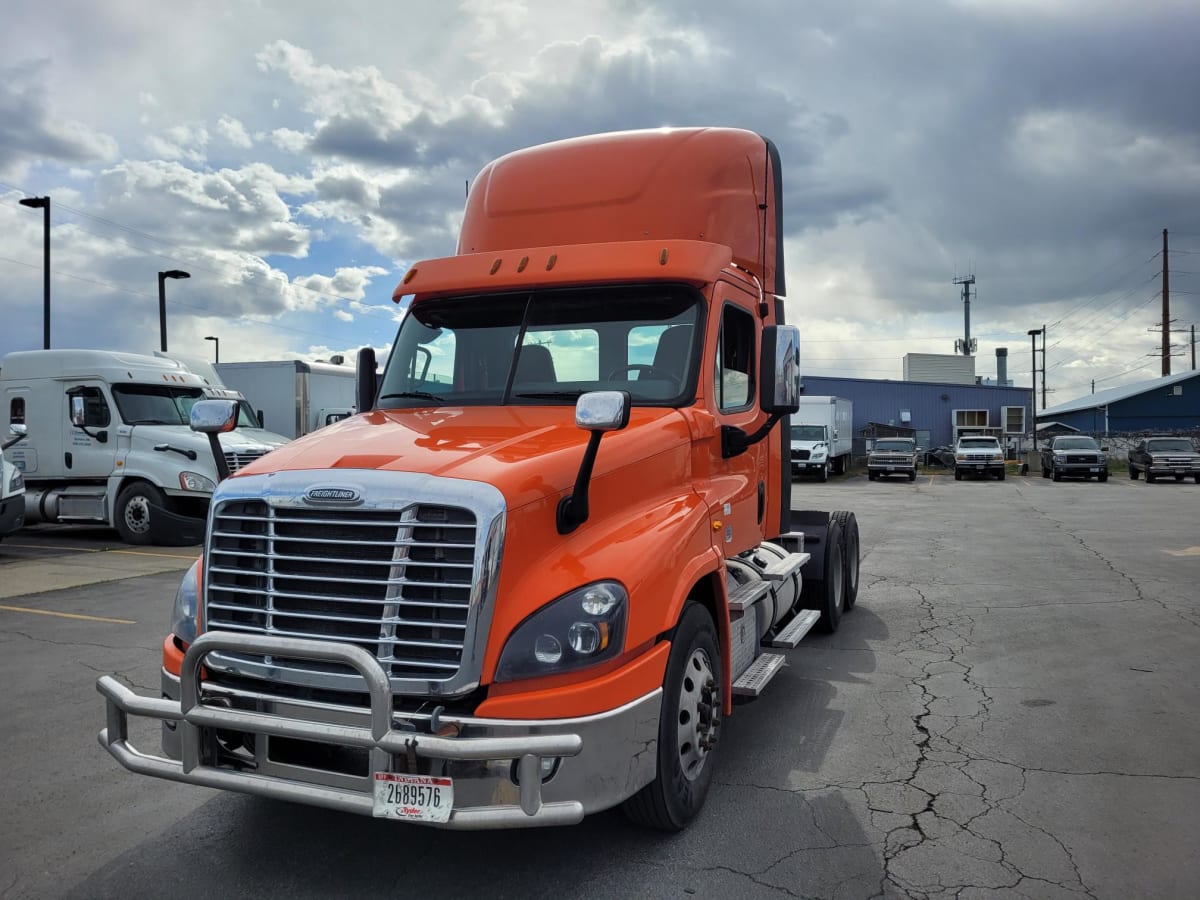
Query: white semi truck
[822,436]
[293,397]
[107,441]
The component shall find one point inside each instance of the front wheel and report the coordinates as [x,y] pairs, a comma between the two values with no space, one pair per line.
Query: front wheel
[688,728]
[1057,475]
[957,475]
[1133,473]
[1000,475]
[134,511]
[1103,476]
[823,473]
[1150,477]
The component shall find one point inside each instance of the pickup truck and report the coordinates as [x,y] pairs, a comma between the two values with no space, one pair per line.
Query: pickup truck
[980,454]
[892,456]
[1075,455]
[1162,456]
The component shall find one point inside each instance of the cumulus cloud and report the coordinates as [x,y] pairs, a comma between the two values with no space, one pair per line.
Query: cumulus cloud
[234,132]
[30,130]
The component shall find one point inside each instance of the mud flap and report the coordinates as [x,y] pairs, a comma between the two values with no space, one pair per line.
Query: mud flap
[168,529]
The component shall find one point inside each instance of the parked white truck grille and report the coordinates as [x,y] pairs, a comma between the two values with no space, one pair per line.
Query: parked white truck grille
[395,582]
[236,459]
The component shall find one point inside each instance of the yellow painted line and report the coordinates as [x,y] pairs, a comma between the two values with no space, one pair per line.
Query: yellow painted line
[63,615]
[102,550]
[1190,551]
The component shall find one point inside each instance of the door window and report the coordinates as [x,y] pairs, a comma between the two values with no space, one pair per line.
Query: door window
[734,375]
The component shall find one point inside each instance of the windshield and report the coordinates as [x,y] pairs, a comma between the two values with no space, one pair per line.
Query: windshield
[893,447]
[986,443]
[546,347]
[153,404]
[1170,445]
[808,433]
[1075,443]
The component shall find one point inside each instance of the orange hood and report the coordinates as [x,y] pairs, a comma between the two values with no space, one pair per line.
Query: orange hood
[529,453]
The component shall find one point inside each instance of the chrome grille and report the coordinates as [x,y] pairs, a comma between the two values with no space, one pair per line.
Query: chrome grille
[396,582]
[236,459]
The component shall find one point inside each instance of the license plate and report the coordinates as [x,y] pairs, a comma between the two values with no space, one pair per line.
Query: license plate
[423,798]
[1095,468]
[891,468]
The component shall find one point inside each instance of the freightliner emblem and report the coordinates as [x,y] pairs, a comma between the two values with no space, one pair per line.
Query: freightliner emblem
[332,495]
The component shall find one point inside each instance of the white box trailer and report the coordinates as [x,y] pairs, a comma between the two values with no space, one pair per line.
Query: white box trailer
[822,436]
[108,441]
[294,397]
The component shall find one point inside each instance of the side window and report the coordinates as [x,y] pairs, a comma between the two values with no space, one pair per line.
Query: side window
[734,375]
[95,409]
[16,411]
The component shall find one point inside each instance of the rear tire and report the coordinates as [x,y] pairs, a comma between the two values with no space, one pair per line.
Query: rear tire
[850,557]
[691,713]
[832,597]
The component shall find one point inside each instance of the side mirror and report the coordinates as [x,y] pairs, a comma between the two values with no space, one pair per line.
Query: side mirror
[779,371]
[364,379]
[214,417]
[19,429]
[597,412]
[78,411]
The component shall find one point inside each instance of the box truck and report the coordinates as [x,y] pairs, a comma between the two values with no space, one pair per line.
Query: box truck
[822,436]
[107,441]
[526,581]
[291,396]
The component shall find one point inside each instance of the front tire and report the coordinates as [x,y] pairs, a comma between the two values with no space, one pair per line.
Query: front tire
[134,512]
[1000,475]
[957,475]
[1150,477]
[1057,475]
[1133,473]
[688,728]
[823,474]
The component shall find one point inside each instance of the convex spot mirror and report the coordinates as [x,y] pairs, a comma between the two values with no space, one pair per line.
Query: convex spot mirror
[214,416]
[779,381]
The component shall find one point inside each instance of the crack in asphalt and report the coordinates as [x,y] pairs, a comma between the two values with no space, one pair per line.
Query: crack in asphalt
[40,640]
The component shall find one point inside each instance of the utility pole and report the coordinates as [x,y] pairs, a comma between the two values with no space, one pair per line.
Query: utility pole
[1193,348]
[1043,367]
[1166,318]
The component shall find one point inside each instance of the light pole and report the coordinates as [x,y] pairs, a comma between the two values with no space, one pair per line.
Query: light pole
[162,303]
[44,204]
[216,348]
[1033,335]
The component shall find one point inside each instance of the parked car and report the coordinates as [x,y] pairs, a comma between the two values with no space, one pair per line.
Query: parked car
[1078,456]
[980,454]
[892,456]
[1159,457]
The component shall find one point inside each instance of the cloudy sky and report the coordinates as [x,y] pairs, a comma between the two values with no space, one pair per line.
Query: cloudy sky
[295,157]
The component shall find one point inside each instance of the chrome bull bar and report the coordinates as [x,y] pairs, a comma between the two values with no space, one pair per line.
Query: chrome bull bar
[380,738]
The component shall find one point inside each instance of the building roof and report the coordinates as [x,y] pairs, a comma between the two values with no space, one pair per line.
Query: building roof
[1112,395]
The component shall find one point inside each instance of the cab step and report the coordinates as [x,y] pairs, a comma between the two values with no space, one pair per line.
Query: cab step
[796,629]
[748,594]
[786,567]
[755,678]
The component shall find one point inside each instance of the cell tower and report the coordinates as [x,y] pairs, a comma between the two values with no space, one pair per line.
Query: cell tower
[966,345]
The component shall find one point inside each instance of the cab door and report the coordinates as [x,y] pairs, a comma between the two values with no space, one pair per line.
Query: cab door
[739,482]
[90,448]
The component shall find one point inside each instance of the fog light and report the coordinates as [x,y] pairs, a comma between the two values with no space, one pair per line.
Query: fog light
[547,769]
[547,649]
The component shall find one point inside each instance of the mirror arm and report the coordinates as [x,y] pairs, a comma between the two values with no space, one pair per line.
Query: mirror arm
[218,456]
[573,511]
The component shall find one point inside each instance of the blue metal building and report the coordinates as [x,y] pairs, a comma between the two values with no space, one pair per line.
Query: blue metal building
[1170,403]
[935,411]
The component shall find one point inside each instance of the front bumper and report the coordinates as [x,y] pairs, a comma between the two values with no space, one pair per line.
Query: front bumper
[12,513]
[1186,470]
[891,466]
[496,764]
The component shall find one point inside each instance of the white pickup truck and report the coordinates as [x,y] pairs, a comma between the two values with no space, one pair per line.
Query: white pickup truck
[979,454]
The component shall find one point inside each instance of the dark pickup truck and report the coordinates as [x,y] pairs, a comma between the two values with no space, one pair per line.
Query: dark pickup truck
[1075,457]
[1164,457]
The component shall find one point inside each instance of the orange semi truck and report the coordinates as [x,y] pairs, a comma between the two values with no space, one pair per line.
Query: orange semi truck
[528,580]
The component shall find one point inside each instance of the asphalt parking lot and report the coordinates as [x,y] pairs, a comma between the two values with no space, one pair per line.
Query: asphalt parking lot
[1012,710]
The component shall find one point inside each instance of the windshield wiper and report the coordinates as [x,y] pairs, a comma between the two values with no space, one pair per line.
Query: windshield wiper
[415,395]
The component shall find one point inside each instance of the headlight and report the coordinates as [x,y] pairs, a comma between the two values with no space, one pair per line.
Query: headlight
[16,481]
[1060,455]
[579,629]
[187,602]
[194,481]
